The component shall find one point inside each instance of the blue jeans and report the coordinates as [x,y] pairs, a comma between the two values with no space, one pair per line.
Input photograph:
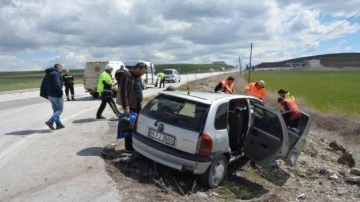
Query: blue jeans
[57,104]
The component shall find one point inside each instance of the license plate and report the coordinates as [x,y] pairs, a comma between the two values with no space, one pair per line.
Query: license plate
[170,140]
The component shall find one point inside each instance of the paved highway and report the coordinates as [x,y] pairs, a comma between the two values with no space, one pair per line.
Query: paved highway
[37,164]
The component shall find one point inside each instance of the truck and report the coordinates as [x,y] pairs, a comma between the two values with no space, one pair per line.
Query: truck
[92,72]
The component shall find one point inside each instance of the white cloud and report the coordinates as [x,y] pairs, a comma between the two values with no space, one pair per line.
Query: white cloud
[36,34]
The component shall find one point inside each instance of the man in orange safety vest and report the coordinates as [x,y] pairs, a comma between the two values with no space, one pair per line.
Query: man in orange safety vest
[226,86]
[256,89]
[291,112]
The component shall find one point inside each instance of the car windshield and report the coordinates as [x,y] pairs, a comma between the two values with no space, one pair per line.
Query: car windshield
[178,112]
[168,71]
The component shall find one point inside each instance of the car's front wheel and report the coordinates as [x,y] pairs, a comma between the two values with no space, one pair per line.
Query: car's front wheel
[215,173]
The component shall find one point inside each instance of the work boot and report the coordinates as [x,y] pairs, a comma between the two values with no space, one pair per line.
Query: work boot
[59,126]
[72,98]
[50,124]
[67,98]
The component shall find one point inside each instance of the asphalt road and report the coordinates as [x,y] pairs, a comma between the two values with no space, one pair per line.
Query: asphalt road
[37,164]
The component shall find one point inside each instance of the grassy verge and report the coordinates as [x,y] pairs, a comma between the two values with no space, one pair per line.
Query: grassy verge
[28,80]
[327,91]
[189,68]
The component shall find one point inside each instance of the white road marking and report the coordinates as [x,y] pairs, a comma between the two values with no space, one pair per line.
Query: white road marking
[16,148]
[11,111]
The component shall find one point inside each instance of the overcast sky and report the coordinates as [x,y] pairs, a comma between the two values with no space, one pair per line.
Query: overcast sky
[36,34]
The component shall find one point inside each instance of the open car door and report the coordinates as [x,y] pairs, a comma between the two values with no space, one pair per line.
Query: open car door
[297,137]
[267,139]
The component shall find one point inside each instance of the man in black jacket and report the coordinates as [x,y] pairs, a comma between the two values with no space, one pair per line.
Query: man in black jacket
[131,95]
[69,85]
[51,89]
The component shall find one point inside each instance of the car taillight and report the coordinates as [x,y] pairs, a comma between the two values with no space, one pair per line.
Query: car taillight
[204,145]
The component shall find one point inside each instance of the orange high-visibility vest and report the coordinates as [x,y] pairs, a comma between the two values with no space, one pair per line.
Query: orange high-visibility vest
[228,87]
[256,92]
[290,105]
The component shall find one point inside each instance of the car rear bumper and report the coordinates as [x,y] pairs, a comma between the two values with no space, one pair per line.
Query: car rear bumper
[169,156]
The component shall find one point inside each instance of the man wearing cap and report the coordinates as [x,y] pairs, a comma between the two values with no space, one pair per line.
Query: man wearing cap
[104,88]
[131,95]
[285,94]
[256,89]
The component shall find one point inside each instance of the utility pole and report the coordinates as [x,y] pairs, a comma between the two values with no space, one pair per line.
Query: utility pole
[240,66]
[250,63]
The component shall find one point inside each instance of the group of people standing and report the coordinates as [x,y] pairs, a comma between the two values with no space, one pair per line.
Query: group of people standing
[129,95]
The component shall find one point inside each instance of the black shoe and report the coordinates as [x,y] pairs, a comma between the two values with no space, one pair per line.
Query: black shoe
[50,124]
[68,99]
[100,117]
[72,98]
[129,150]
[59,126]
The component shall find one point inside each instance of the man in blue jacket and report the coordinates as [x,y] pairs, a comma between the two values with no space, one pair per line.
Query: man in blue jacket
[51,89]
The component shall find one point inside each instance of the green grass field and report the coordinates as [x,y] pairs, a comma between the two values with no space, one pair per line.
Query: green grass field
[32,79]
[29,79]
[327,91]
[189,68]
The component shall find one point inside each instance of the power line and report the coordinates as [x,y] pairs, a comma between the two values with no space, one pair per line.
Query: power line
[329,32]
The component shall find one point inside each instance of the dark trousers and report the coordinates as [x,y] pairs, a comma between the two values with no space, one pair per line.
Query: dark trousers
[291,119]
[128,140]
[67,88]
[106,97]
[162,81]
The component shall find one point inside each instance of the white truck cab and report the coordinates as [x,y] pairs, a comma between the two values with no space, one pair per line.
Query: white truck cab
[92,72]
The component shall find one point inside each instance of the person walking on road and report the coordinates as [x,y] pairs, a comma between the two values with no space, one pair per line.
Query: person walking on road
[51,89]
[161,78]
[69,85]
[131,95]
[256,89]
[226,86]
[105,88]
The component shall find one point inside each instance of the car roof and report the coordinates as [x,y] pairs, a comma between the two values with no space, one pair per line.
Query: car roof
[203,97]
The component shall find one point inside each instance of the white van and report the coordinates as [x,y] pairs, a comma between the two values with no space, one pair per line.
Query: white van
[149,78]
[92,72]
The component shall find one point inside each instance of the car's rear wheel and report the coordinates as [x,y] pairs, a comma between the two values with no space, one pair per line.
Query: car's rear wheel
[215,174]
